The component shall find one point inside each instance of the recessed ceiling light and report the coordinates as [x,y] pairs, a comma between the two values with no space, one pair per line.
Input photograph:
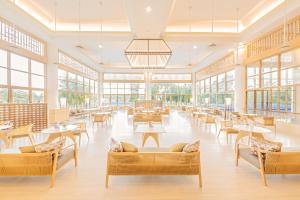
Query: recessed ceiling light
[148,9]
[100,46]
[195,47]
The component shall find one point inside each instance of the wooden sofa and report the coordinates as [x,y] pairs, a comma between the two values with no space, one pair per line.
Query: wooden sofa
[153,163]
[271,162]
[39,164]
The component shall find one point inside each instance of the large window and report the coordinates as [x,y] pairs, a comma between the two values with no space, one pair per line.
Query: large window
[76,90]
[123,94]
[77,83]
[13,35]
[123,89]
[23,81]
[215,89]
[172,93]
[172,89]
[70,62]
[269,72]
[274,87]
[253,75]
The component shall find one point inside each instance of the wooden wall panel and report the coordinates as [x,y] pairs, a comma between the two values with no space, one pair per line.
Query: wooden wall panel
[277,41]
[24,114]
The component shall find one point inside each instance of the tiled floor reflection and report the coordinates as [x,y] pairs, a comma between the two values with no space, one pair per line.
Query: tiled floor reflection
[221,179]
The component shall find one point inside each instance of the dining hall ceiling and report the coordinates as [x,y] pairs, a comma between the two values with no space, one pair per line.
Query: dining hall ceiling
[194,29]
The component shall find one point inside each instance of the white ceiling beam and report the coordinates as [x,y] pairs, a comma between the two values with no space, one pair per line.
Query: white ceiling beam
[148,24]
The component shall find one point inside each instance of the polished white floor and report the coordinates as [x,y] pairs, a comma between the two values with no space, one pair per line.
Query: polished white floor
[221,179]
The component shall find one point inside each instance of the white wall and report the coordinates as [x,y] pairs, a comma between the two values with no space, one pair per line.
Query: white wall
[240,88]
[297,99]
[52,76]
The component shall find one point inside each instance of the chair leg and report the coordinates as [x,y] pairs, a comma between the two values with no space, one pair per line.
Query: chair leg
[200,179]
[219,133]
[263,177]
[106,180]
[76,158]
[88,137]
[31,139]
[79,140]
[52,180]
[237,157]
[54,170]
[227,138]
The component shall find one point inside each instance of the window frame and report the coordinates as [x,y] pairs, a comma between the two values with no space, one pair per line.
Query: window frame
[29,74]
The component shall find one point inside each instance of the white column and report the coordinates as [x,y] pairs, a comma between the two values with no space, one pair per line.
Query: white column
[52,76]
[194,97]
[100,88]
[148,76]
[240,89]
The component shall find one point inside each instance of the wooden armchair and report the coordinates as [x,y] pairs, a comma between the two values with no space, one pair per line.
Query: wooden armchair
[81,130]
[236,117]
[266,122]
[156,118]
[269,162]
[130,111]
[140,117]
[209,119]
[99,118]
[166,111]
[227,128]
[23,131]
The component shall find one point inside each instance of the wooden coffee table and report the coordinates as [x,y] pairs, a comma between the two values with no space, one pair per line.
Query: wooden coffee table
[150,130]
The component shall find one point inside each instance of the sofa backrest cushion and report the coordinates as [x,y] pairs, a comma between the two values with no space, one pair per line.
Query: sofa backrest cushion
[115,146]
[192,147]
[127,147]
[177,147]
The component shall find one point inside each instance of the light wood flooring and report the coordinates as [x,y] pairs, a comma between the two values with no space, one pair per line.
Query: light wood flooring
[221,179]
